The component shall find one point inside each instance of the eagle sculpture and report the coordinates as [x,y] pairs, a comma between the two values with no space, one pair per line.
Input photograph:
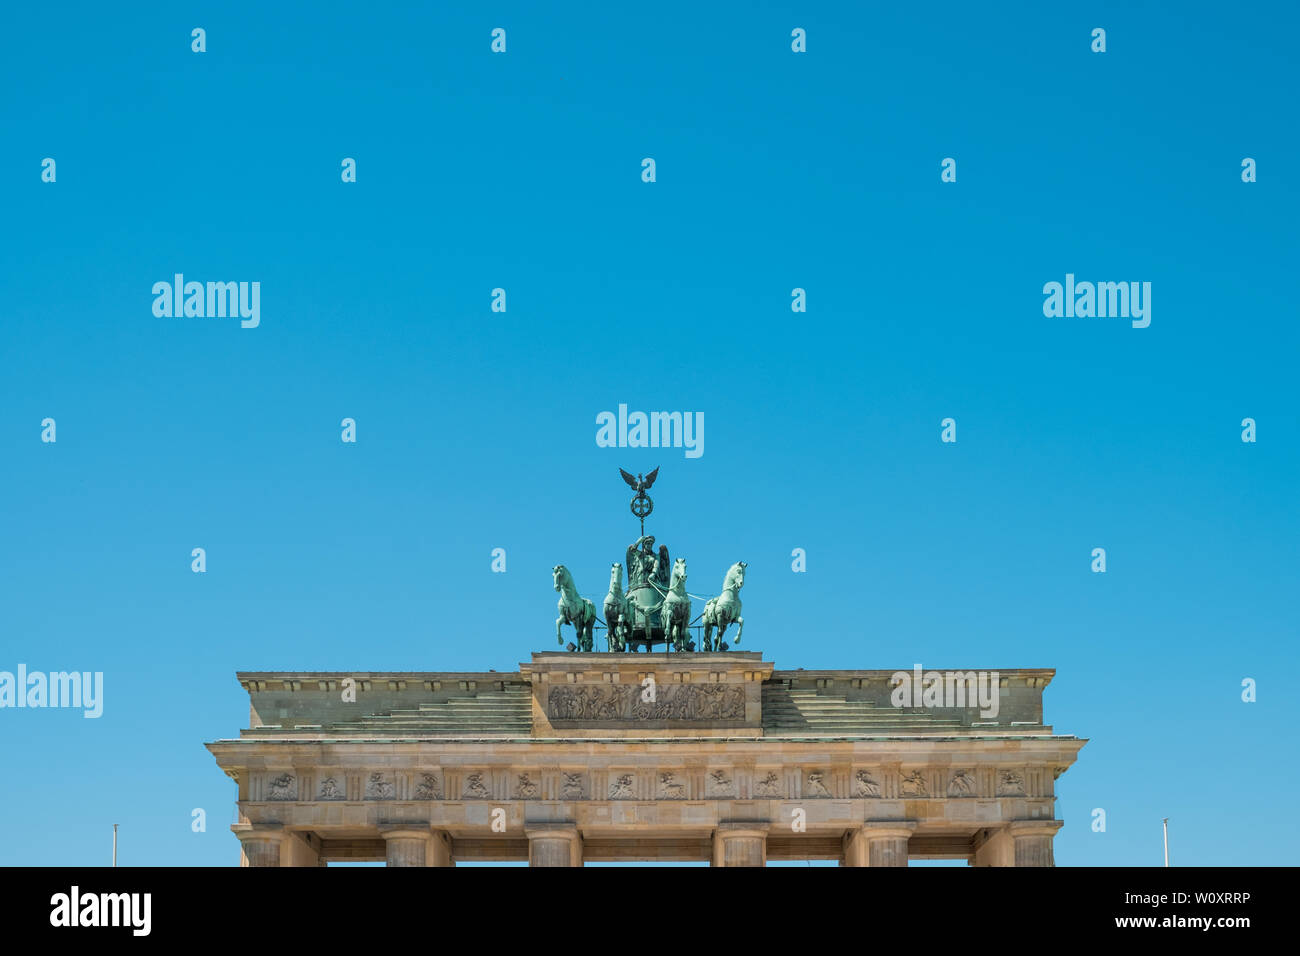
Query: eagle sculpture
[638,483]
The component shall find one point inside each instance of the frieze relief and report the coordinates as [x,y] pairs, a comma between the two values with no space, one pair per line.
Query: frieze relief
[914,784]
[961,784]
[768,785]
[379,786]
[679,784]
[622,787]
[670,788]
[613,702]
[1011,783]
[572,786]
[427,787]
[283,787]
[719,783]
[865,785]
[526,788]
[476,787]
[817,785]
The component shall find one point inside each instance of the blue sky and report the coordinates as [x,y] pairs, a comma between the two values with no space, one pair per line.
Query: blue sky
[476,429]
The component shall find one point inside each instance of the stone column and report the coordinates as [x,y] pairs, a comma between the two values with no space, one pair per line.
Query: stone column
[555,844]
[259,843]
[882,843]
[1033,841]
[740,844]
[406,844]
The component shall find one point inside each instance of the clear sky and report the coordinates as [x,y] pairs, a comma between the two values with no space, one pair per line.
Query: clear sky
[476,430]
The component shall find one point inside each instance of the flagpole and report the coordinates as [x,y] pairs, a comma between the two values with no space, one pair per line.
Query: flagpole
[1166,822]
[115,844]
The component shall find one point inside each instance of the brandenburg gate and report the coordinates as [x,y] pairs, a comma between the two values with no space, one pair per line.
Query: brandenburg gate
[703,754]
[583,756]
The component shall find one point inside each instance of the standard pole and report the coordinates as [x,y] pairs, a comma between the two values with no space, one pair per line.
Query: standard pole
[1166,841]
[115,844]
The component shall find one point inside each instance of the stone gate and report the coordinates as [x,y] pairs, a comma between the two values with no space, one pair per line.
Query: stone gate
[684,757]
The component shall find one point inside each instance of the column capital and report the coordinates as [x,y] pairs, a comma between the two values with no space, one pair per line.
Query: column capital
[405,831]
[552,831]
[884,829]
[261,844]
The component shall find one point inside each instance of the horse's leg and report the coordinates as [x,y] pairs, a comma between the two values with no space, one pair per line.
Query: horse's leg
[558,638]
[740,628]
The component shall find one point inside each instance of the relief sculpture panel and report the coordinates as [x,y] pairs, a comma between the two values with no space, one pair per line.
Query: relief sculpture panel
[610,702]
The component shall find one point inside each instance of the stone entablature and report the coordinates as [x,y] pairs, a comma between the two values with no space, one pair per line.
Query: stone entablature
[1018,770]
[580,762]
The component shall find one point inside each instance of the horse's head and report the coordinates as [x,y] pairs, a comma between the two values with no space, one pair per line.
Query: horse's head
[735,576]
[561,575]
[615,574]
[679,573]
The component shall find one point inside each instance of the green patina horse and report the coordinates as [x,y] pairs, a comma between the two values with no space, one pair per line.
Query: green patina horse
[618,618]
[724,609]
[575,610]
[677,608]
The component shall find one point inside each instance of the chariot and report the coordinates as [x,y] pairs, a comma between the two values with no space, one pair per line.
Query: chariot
[654,607]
